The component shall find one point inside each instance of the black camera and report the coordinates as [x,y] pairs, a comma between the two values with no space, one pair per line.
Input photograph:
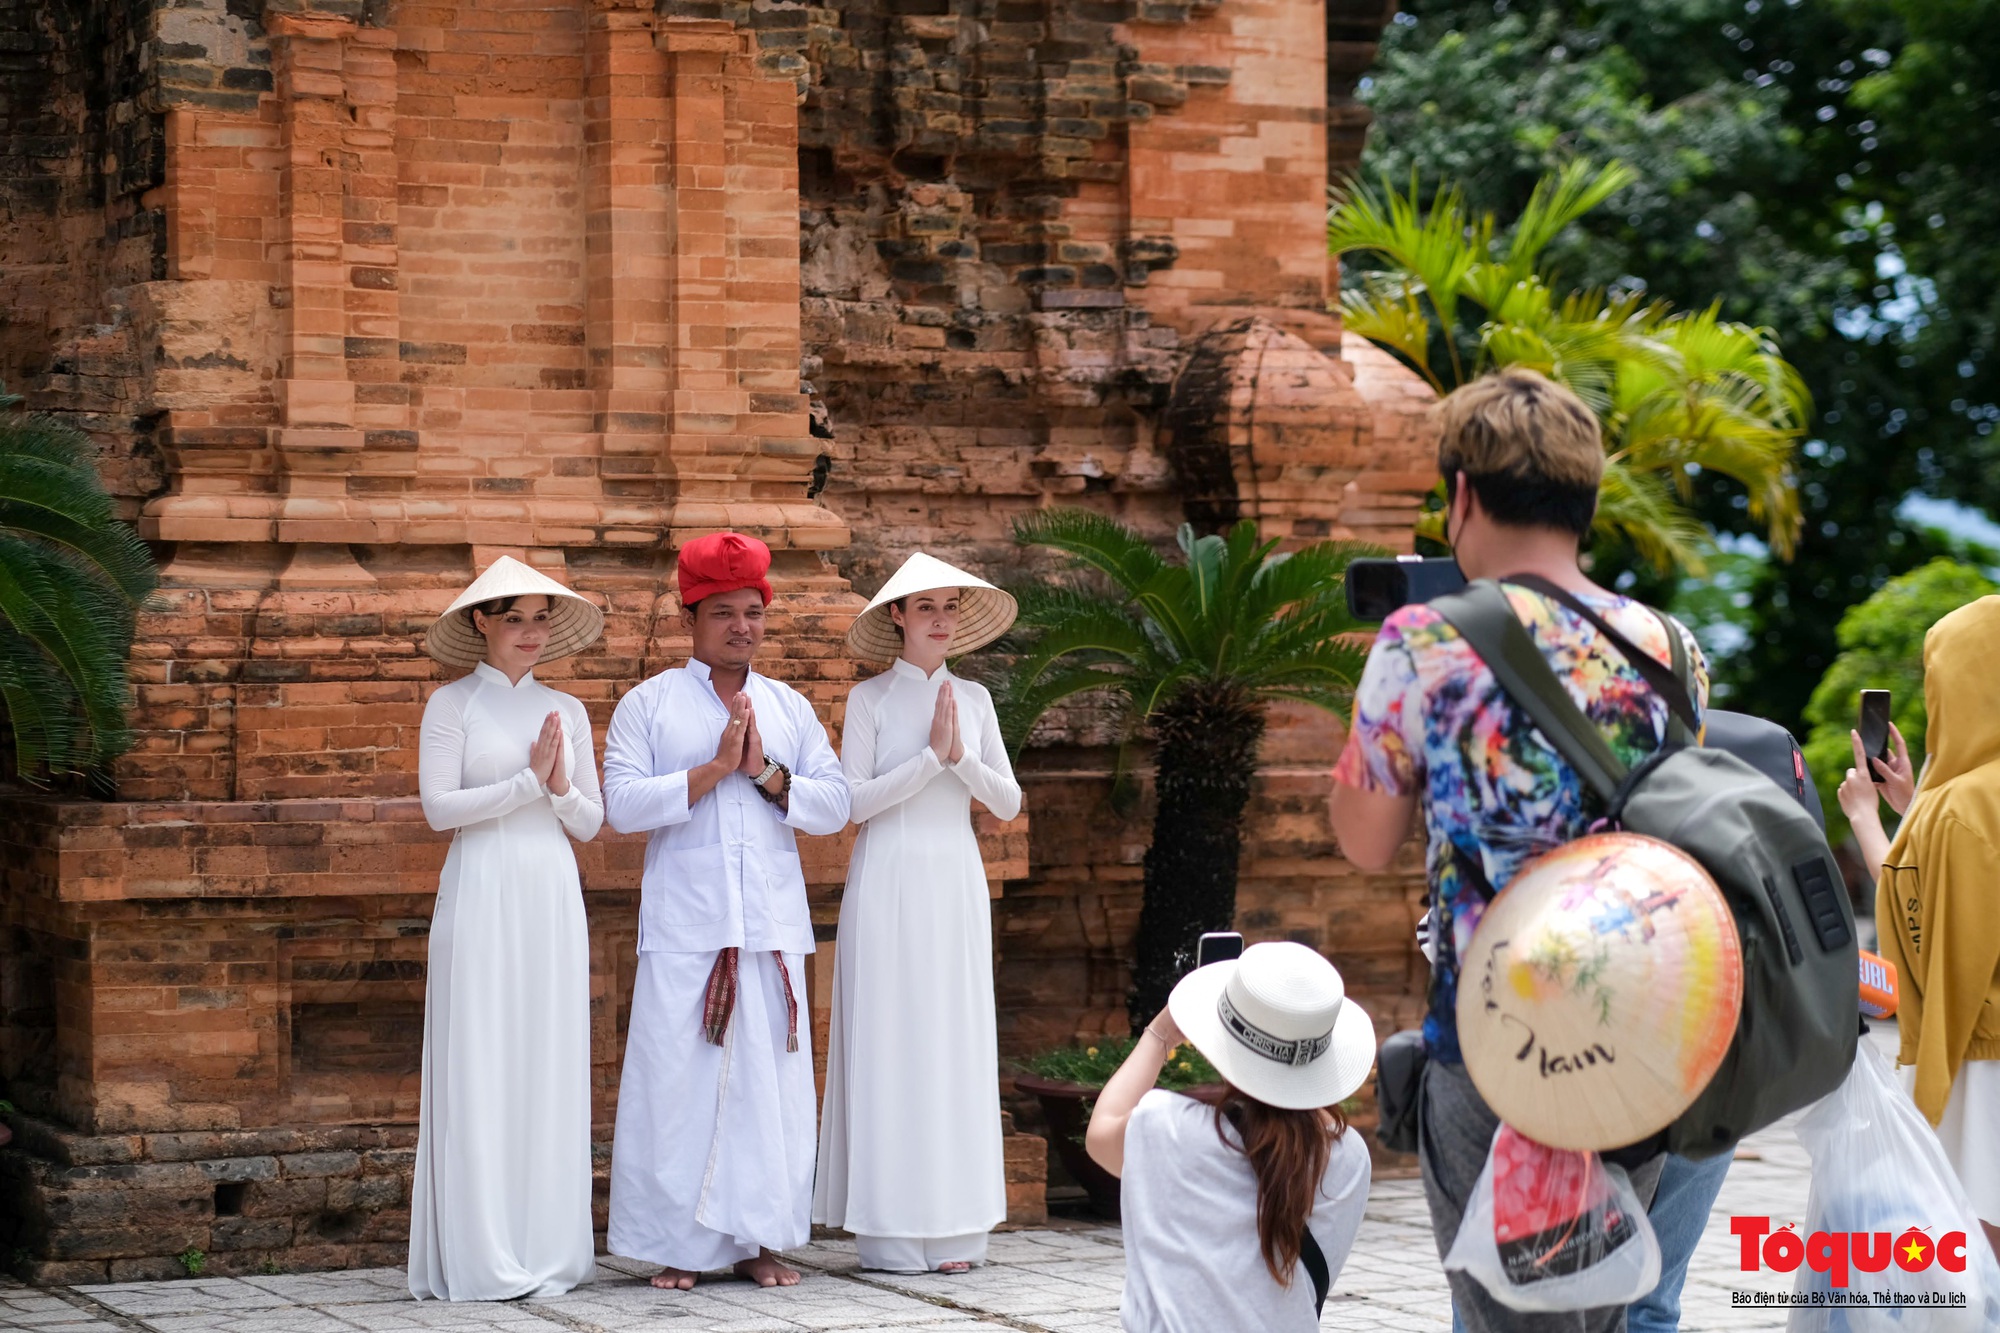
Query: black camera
[1376,588]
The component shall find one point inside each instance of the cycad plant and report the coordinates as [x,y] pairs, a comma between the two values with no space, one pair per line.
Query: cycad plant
[1679,392]
[1193,652]
[71,579]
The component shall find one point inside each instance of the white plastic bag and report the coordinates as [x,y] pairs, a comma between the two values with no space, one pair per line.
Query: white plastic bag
[1879,1175]
[1549,1229]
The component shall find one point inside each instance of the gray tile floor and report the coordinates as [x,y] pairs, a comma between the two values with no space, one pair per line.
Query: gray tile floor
[1063,1280]
[1059,1281]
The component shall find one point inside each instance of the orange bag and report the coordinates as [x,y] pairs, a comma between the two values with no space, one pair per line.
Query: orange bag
[1878,986]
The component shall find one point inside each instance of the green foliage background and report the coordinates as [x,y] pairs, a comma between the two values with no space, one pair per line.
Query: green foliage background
[1822,166]
[1882,648]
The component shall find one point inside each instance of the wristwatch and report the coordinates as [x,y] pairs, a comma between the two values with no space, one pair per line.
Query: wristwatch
[771,769]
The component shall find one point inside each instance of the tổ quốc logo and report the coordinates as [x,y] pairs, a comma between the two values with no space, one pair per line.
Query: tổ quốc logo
[1842,1254]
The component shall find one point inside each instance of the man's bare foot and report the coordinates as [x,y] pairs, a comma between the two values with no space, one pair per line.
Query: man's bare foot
[766,1271]
[675,1279]
[955,1266]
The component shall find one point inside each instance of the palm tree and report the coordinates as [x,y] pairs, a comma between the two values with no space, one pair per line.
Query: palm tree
[1679,392]
[71,579]
[1194,651]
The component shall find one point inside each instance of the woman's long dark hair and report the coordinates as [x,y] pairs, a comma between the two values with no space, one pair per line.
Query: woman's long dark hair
[1288,1152]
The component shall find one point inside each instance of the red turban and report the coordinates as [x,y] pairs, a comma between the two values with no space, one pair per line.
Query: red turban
[723,562]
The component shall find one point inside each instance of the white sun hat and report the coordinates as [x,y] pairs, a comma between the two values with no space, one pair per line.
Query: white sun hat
[574,623]
[1277,1023]
[985,612]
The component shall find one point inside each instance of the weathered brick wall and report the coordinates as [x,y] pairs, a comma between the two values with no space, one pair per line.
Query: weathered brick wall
[1068,253]
[357,294]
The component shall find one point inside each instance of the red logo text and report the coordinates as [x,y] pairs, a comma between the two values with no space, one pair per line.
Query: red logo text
[1836,1253]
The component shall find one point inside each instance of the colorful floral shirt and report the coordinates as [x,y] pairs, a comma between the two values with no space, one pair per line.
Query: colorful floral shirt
[1431,720]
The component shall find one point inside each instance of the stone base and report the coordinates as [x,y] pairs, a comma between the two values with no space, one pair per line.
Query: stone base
[1027,1175]
[78,1209]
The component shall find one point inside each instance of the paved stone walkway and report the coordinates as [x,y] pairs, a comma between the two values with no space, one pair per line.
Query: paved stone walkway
[1061,1280]
[1064,1279]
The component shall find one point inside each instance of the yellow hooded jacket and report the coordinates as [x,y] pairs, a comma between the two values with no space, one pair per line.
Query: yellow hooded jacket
[1937,903]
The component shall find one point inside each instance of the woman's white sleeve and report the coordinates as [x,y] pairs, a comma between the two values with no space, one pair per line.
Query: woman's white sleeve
[581,808]
[441,769]
[984,767]
[869,792]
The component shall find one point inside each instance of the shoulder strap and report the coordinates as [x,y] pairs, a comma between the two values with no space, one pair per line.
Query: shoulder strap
[1314,1260]
[1483,615]
[1669,682]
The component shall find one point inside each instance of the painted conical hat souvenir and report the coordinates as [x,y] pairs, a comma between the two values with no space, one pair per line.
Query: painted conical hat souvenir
[574,623]
[1600,993]
[985,612]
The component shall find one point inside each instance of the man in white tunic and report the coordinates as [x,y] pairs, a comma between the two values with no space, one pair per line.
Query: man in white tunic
[712,1164]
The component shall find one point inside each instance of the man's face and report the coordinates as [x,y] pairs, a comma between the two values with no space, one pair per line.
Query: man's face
[727,628]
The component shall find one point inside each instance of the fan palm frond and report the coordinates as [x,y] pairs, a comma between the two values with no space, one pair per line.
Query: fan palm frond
[1640,508]
[1676,392]
[1391,315]
[1557,201]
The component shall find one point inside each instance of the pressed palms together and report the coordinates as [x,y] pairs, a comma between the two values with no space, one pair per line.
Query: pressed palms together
[945,741]
[545,756]
[1195,652]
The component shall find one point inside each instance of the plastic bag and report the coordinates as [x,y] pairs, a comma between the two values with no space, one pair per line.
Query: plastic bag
[1550,1229]
[1879,1173]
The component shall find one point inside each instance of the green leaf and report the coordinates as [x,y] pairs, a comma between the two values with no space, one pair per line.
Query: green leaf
[71,579]
[1557,202]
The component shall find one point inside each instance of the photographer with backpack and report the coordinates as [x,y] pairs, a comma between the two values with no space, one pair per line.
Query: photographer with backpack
[1527,710]
[1435,732]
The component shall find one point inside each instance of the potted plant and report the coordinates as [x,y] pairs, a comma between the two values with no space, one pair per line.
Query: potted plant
[1066,1082]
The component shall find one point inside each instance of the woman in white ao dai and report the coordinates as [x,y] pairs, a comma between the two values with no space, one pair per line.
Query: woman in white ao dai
[500,1204]
[910,1156]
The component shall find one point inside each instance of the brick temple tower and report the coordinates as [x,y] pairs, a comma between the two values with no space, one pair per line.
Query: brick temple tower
[355,295]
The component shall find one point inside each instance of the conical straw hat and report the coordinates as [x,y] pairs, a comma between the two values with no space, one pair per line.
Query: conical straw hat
[985,612]
[574,623]
[1600,993]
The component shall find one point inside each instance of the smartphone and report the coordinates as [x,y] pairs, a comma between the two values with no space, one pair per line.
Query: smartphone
[1376,587]
[1874,724]
[1218,946]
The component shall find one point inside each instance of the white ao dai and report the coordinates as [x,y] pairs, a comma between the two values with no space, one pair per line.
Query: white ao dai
[910,1142]
[500,1206]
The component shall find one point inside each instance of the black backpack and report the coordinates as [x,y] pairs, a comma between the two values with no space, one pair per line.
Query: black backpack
[1768,748]
[1795,1036]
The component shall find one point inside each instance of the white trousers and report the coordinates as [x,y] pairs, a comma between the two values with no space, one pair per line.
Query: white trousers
[713,1155]
[901,1254]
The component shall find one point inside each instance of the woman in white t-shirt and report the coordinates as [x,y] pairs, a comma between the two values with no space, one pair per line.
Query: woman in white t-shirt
[1239,1216]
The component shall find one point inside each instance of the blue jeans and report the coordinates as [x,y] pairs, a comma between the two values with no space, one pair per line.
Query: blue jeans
[1679,1213]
